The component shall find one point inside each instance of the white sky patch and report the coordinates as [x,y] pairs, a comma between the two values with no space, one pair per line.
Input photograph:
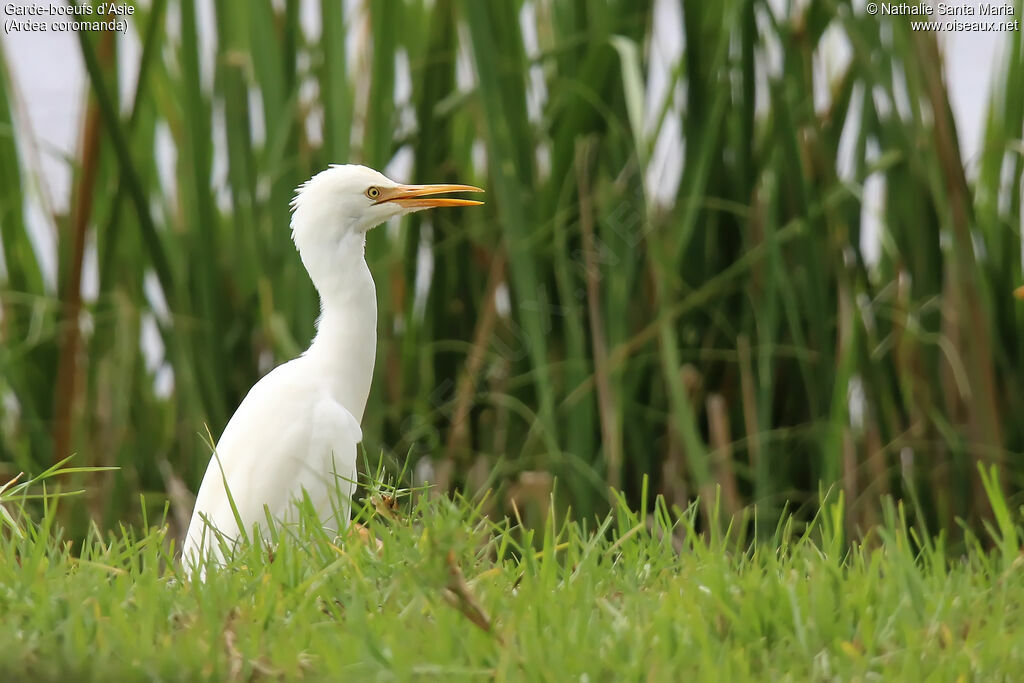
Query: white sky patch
[761,95]
[400,167]
[11,412]
[357,36]
[358,52]
[265,362]
[155,296]
[424,471]
[478,154]
[872,212]
[845,162]
[403,94]
[768,57]
[85,323]
[1006,186]
[945,240]
[424,270]
[163,383]
[166,155]
[219,164]
[129,60]
[902,96]
[151,343]
[257,123]
[873,189]
[880,98]
[830,60]
[48,101]
[206,23]
[90,285]
[465,81]
[154,354]
[968,64]
[856,403]
[309,99]
[536,89]
[315,125]
[543,159]
[172,27]
[665,167]
[465,73]
[502,300]
[309,19]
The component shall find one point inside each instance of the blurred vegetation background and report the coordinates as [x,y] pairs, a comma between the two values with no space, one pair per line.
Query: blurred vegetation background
[730,337]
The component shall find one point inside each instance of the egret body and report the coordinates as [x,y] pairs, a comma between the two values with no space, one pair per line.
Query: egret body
[297,428]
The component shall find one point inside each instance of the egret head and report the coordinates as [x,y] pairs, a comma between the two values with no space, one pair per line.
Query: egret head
[349,200]
[333,211]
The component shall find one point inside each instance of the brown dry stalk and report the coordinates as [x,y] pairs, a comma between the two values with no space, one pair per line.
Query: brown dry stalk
[71,294]
[458,435]
[983,408]
[458,595]
[749,401]
[359,533]
[610,428]
[721,456]
[237,660]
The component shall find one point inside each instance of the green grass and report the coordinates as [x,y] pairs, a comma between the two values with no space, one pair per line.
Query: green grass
[452,595]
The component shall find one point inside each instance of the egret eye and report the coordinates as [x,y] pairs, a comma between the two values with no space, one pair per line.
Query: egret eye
[373,193]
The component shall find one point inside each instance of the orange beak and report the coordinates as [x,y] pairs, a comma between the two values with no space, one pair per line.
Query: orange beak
[420,196]
[1019,292]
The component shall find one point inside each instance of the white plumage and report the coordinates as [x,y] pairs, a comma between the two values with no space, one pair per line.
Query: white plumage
[298,427]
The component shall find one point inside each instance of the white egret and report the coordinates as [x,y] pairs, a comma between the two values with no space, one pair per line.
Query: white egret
[297,428]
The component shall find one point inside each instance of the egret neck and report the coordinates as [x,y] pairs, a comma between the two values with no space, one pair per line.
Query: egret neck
[344,347]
